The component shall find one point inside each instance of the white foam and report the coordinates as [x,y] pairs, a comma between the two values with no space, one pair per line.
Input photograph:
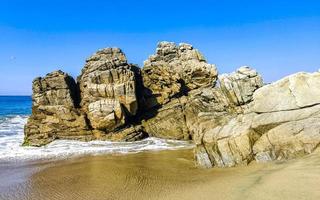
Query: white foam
[11,137]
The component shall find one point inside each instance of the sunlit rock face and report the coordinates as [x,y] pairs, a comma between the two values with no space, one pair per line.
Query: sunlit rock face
[168,77]
[288,115]
[103,100]
[280,122]
[54,111]
[232,118]
[108,89]
[174,70]
[240,85]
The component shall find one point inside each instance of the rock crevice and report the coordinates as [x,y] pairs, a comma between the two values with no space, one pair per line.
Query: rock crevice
[233,119]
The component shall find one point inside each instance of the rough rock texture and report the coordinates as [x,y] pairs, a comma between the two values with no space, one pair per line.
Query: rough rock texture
[108,89]
[168,122]
[175,70]
[100,106]
[233,119]
[168,77]
[293,92]
[54,112]
[239,86]
[278,124]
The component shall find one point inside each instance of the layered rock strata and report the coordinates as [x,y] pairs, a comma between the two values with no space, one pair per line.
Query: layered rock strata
[55,112]
[168,77]
[281,122]
[233,119]
[173,71]
[108,89]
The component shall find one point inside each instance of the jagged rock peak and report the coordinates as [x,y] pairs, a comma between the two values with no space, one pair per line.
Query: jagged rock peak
[111,54]
[240,85]
[169,51]
[56,88]
[174,70]
[54,111]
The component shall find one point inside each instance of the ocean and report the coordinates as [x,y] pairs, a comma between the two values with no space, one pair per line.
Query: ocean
[14,113]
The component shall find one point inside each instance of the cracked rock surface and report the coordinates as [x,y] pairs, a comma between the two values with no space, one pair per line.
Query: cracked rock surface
[233,118]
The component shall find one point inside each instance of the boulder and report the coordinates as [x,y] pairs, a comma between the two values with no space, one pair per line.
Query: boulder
[99,106]
[233,119]
[108,89]
[230,144]
[173,71]
[288,117]
[54,111]
[168,122]
[277,124]
[168,77]
[288,140]
[292,92]
[239,86]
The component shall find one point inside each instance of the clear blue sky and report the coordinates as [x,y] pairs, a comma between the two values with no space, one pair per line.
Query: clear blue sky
[275,37]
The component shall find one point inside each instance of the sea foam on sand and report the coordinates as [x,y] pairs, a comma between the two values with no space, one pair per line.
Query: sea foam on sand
[11,138]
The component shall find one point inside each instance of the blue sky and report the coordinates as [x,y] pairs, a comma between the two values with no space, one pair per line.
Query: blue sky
[275,37]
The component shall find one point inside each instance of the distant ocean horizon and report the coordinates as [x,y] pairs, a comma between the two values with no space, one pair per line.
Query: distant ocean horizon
[15,105]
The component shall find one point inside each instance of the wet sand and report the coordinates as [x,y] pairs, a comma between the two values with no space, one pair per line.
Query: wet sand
[159,175]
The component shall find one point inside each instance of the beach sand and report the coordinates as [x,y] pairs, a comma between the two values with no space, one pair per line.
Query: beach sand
[159,175]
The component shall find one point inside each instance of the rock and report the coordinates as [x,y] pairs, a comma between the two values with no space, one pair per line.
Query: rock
[168,122]
[239,86]
[205,108]
[168,77]
[127,134]
[57,88]
[293,92]
[173,71]
[108,89]
[288,118]
[288,140]
[99,106]
[233,119]
[279,124]
[263,122]
[54,113]
[230,144]
[219,122]
[202,158]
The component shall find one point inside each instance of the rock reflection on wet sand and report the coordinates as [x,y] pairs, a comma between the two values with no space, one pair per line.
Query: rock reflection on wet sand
[162,175]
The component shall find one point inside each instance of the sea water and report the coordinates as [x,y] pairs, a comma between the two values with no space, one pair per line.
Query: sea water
[14,113]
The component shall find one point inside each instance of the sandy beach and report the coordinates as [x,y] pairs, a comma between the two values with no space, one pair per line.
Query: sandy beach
[159,175]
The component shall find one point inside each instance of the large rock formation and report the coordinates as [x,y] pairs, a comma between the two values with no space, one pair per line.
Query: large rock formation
[168,77]
[108,89]
[281,122]
[175,70]
[233,119]
[100,106]
[54,111]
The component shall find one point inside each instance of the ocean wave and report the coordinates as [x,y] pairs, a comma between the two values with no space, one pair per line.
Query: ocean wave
[12,125]
[11,138]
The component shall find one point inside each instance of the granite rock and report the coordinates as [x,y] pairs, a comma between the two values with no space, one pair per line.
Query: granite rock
[173,71]
[233,119]
[277,124]
[54,111]
[108,89]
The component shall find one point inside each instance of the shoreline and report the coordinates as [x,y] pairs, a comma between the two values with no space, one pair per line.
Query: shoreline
[161,175]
